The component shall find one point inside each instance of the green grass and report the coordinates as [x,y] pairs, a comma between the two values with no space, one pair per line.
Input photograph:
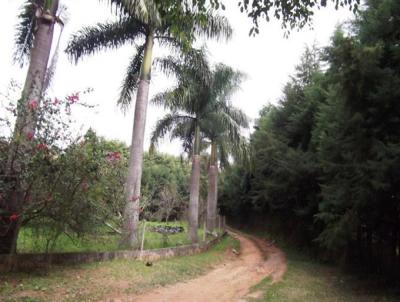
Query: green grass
[307,280]
[96,281]
[32,242]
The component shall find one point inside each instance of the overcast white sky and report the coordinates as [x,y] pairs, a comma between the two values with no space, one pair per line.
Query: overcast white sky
[268,59]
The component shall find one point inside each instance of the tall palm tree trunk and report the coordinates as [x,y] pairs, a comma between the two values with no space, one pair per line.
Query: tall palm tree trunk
[195,189]
[25,127]
[134,178]
[212,189]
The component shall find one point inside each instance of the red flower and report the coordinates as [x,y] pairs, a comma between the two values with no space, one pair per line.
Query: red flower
[32,105]
[13,217]
[73,98]
[42,147]
[113,156]
[30,135]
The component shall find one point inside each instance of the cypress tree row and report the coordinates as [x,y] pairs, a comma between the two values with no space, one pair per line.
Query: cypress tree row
[326,160]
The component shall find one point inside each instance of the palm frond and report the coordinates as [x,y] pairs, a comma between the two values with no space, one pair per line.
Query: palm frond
[120,7]
[179,98]
[226,124]
[167,124]
[161,98]
[223,154]
[130,82]
[25,30]
[236,114]
[169,65]
[191,65]
[241,152]
[185,133]
[92,39]
[170,43]
[144,10]
[226,81]
[213,27]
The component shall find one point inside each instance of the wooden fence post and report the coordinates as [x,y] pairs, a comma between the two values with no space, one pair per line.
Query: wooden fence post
[142,244]
[204,231]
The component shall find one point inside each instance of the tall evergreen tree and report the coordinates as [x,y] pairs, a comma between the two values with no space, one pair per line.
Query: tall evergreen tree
[326,159]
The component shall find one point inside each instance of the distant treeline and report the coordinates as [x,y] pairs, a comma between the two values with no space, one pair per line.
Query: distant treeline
[325,162]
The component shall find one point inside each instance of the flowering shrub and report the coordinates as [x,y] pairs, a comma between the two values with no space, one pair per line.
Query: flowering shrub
[75,185]
[59,172]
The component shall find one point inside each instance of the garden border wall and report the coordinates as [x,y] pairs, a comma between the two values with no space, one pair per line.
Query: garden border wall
[28,262]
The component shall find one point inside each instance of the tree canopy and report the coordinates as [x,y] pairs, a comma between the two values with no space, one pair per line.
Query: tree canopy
[325,160]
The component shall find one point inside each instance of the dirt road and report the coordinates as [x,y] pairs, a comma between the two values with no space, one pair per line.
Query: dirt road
[228,282]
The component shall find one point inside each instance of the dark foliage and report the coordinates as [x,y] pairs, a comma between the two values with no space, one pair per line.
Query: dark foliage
[326,160]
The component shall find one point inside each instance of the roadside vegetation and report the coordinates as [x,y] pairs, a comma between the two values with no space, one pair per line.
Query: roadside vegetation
[96,281]
[309,279]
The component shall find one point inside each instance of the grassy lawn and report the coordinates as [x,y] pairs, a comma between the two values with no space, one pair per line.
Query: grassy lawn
[95,281]
[309,281]
[31,242]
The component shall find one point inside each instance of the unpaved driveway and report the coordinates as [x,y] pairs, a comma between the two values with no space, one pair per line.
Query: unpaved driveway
[228,282]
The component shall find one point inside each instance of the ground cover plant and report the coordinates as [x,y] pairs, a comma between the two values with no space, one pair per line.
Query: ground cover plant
[31,241]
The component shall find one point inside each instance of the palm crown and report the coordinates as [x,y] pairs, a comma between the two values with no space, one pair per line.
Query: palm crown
[137,20]
[201,97]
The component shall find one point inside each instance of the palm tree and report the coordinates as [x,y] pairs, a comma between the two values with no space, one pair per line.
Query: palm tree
[225,141]
[196,106]
[223,129]
[172,25]
[33,42]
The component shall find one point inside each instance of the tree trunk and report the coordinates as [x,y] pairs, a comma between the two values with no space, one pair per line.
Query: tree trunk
[212,189]
[34,83]
[25,127]
[134,178]
[195,189]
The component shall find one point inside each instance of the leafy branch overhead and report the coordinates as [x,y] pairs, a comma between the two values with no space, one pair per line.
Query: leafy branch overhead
[292,14]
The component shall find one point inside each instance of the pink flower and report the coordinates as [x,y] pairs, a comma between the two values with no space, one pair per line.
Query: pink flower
[113,156]
[33,105]
[73,98]
[13,217]
[30,135]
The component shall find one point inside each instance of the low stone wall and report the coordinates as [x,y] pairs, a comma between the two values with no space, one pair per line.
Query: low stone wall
[28,262]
